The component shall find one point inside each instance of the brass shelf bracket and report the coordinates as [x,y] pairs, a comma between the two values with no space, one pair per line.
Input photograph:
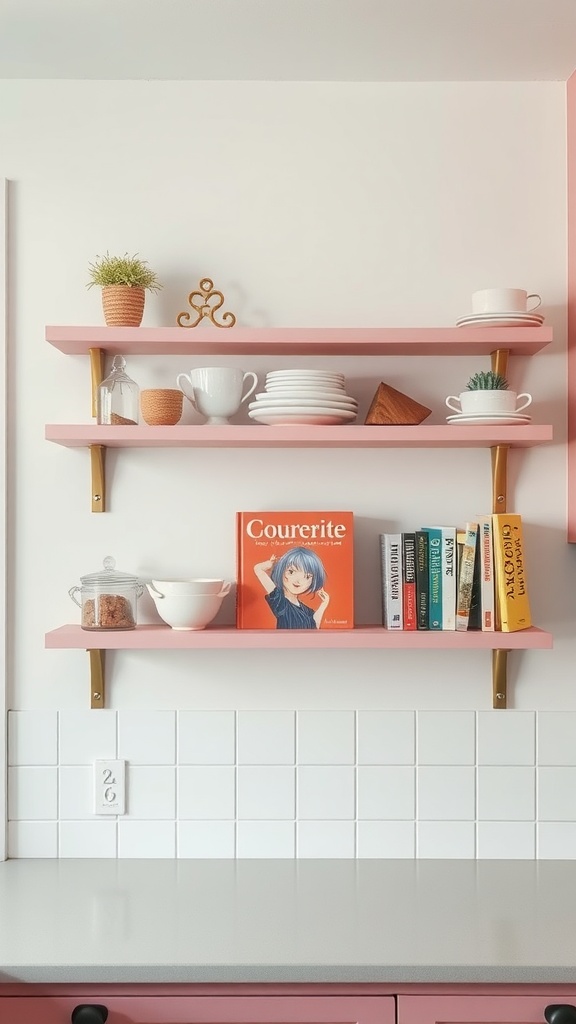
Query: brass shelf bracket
[97,679]
[98,476]
[499,456]
[499,678]
[96,375]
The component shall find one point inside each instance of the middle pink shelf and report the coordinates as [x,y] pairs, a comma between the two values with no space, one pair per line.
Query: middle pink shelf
[156,637]
[229,436]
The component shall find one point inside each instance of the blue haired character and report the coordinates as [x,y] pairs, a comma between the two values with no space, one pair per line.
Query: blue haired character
[298,571]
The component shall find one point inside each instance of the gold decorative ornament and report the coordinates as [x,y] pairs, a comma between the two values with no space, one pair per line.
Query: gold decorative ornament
[205,307]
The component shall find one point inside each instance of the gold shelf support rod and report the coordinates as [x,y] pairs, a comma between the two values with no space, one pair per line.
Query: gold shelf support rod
[98,476]
[499,457]
[97,451]
[97,679]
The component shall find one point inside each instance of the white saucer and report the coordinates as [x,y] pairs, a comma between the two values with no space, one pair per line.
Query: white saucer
[488,418]
[301,403]
[501,320]
[295,416]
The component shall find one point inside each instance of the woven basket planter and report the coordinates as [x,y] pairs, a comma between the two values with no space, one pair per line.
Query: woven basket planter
[161,406]
[123,306]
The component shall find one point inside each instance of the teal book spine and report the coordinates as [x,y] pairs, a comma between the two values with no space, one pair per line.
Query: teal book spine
[434,576]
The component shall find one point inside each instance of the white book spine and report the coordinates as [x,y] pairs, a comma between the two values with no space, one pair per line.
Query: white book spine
[449,565]
[487,592]
[391,563]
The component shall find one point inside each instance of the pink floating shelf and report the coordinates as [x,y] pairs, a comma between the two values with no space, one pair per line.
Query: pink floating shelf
[301,341]
[161,638]
[252,436]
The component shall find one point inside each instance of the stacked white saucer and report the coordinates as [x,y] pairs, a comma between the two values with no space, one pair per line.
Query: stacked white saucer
[303,396]
[510,319]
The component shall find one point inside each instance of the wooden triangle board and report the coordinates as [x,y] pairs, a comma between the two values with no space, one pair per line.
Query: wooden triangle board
[390,406]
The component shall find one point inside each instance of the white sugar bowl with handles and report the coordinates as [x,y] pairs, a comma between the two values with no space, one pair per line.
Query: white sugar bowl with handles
[187,610]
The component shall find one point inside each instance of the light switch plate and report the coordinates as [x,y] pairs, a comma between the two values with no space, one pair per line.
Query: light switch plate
[109,787]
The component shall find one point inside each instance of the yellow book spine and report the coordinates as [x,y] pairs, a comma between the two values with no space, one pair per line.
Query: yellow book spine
[510,572]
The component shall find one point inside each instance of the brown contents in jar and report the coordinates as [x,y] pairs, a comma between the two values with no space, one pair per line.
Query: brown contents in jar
[115,419]
[114,612]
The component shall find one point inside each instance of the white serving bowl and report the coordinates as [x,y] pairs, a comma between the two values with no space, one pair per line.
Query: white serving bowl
[196,585]
[189,611]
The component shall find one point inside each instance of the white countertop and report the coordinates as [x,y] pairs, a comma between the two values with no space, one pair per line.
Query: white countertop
[109,921]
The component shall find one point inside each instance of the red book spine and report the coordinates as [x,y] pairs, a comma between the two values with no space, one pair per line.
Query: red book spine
[409,580]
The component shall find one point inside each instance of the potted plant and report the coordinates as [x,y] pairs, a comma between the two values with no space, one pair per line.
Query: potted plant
[487,380]
[124,281]
[487,394]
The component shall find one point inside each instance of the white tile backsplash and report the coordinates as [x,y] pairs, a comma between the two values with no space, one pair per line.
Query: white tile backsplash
[325,737]
[506,739]
[206,791]
[266,792]
[76,792]
[557,738]
[88,838]
[33,793]
[381,839]
[266,737]
[506,794]
[557,794]
[208,839]
[147,737]
[151,791]
[32,839]
[556,840]
[325,792]
[266,839]
[451,840]
[506,840]
[386,792]
[85,737]
[386,737]
[206,737]
[146,839]
[33,737]
[446,737]
[445,793]
[286,783]
[326,839]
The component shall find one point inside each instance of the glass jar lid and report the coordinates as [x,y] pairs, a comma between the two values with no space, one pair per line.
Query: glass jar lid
[109,575]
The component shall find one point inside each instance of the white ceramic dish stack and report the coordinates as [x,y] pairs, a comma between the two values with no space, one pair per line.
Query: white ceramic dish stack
[303,396]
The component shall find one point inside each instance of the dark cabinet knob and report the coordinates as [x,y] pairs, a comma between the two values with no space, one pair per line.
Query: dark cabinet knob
[89,1013]
[560,1013]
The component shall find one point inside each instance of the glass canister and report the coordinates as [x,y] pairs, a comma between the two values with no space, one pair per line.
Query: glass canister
[118,396]
[108,598]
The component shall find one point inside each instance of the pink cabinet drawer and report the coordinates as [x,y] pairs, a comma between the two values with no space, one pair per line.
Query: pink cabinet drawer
[179,1009]
[479,1009]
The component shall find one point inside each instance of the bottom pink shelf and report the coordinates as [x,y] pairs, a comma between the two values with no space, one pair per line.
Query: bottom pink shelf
[162,638]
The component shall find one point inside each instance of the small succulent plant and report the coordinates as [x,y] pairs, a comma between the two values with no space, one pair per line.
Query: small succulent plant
[130,270]
[487,380]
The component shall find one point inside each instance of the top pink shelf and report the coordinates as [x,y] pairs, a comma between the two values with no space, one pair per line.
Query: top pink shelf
[305,341]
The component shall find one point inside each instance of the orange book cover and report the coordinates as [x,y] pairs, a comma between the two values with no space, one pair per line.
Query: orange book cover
[295,570]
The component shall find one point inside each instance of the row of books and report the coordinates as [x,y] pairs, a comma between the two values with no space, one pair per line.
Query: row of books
[443,577]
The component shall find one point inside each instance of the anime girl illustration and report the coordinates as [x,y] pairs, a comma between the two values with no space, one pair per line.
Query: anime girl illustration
[298,571]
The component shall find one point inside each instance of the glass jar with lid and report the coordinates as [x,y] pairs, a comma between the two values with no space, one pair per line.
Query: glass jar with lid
[118,396]
[108,598]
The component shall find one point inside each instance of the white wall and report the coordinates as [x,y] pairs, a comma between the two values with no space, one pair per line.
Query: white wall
[308,204]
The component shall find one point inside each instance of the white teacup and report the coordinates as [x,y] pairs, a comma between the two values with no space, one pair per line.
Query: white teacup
[504,300]
[216,391]
[470,403]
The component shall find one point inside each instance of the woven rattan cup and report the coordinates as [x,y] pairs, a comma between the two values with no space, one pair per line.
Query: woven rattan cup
[161,405]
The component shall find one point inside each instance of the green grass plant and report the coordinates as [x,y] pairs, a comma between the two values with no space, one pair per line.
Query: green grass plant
[130,270]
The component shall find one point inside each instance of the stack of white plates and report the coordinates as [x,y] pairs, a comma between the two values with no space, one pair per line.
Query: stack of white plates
[501,320]
[303,396]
